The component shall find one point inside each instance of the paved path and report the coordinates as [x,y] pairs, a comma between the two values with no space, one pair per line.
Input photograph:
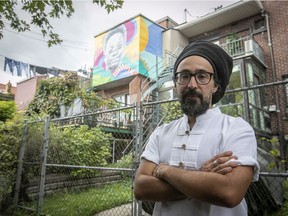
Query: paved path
[123,210]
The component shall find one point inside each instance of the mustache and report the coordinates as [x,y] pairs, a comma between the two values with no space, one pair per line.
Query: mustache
[191,92]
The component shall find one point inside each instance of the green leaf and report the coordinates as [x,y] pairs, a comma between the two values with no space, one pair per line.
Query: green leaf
[40,15]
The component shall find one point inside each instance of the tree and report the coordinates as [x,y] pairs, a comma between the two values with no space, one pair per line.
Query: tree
[40,12]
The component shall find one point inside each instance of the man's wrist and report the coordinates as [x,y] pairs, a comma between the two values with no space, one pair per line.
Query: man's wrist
[160,170]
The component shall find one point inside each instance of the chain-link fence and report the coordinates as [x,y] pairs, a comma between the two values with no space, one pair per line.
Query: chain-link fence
[84,165]
[78,166]
[263,106]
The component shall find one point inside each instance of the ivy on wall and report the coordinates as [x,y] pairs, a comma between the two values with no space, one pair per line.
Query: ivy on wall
[53,92]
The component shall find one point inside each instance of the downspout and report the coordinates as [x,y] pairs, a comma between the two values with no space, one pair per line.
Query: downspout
[265,14]
[274,79]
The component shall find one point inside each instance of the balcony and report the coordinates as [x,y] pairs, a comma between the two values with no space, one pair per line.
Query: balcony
[243,47]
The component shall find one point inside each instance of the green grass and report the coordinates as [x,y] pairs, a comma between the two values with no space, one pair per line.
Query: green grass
[90,202]
[85,203]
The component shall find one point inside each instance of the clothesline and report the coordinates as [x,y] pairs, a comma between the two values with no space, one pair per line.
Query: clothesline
[21,69]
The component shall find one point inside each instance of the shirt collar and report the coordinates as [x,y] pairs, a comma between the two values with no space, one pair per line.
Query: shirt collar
[184,127]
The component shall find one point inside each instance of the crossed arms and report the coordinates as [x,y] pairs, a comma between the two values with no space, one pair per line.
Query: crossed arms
[223,185]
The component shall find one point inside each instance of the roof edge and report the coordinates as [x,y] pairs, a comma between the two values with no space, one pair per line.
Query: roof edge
[217,13]
[138,15]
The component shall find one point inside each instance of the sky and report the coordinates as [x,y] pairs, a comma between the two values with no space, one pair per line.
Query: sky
[88,20]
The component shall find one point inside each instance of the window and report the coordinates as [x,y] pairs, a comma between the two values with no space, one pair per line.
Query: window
[166,92]
[259,117]
[247,73]
[234,44]
[259,24]
[123,99]
[232,103]
[122,117]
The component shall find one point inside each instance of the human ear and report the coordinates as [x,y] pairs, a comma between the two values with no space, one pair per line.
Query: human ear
[215,88]
[174,88]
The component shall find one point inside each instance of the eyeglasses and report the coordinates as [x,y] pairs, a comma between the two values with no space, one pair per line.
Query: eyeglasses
[202,77]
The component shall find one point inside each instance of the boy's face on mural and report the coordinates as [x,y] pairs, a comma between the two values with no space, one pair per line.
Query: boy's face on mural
[114,50]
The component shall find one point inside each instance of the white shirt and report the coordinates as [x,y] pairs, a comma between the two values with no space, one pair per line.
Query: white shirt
[212,134]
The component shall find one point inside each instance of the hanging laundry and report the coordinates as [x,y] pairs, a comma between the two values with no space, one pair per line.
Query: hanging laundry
[32,70]
[25,69]
[21,68]
[18,67]
[41,70]
[53,72]
[10,63]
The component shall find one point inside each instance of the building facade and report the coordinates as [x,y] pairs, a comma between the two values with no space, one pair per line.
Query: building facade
[254,33]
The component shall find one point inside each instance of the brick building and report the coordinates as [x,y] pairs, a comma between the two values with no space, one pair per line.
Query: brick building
[254,33]
[7,91]
[26,90]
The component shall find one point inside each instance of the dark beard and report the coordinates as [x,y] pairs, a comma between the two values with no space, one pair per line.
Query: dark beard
[190,106]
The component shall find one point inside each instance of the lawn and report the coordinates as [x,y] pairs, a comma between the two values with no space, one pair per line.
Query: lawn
[84,203]
[92,201]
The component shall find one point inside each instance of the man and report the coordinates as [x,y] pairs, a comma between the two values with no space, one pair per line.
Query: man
[114,47]
[175,170]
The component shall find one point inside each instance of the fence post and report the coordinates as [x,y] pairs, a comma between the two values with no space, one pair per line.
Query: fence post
[20,164]
[138,150]
[43,165]
[135,154]
[113,152]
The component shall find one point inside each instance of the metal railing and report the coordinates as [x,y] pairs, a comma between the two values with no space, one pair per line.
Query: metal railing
[245,46]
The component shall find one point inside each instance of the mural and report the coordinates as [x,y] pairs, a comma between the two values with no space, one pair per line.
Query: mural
[131,48]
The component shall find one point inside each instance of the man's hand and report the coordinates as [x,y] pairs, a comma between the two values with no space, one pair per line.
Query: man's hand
[219,163]
[158,190]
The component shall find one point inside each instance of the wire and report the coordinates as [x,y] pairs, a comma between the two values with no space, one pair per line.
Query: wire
[42,40]
[37,33]
[60,45]
[70,54]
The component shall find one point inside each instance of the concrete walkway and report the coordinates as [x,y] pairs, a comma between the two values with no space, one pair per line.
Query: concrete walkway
[123,210]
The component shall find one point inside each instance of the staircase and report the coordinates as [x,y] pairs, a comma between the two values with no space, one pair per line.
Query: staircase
[163,74]
[148,114]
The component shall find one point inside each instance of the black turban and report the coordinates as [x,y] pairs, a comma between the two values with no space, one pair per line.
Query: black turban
[221,62]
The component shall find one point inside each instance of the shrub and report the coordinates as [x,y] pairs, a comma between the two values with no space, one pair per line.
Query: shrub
[171,111]
[82,146]
[7,110]
[10,138]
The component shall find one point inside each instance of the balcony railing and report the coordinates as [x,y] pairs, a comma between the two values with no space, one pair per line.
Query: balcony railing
[246,46]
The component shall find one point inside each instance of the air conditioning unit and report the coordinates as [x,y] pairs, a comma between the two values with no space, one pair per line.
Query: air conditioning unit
[248,46]
[251,47]
[272,108]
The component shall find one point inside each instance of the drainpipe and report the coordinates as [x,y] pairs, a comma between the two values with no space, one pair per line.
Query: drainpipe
[265,14]
[273,68]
